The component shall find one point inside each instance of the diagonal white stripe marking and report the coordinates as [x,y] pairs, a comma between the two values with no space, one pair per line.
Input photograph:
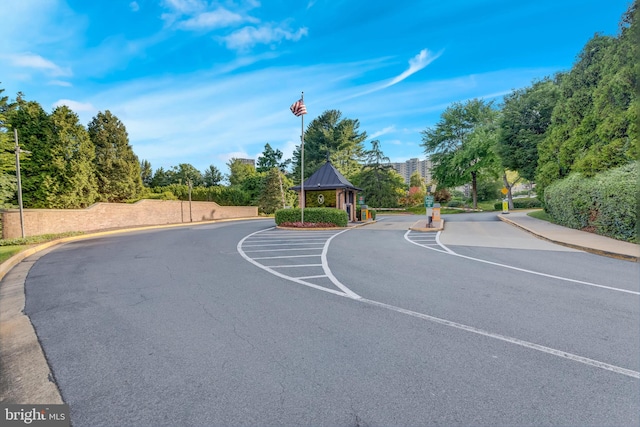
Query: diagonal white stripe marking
[522,343]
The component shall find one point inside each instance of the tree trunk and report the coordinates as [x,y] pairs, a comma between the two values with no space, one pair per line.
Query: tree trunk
[474,189]
[508,187]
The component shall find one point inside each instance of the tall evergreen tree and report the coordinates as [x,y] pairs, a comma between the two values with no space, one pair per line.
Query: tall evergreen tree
[117,167]
[381,184]
[71,180]
[331,136]
[271,158]
[594,126]
[212,176]
[35,135]
[7,158]
[146,173]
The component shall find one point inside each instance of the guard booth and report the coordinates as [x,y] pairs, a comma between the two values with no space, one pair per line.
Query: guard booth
[328,188]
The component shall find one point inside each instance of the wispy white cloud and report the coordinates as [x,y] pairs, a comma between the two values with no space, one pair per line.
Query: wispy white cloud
[417,63]
[76,106]
[30,60]
[382,132]
[60,83]
[134,6]
[248,37]
[219,18]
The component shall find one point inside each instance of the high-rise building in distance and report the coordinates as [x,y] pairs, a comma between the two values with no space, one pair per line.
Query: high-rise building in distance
[406,169]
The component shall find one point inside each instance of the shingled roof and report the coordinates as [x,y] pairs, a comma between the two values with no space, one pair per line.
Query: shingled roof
[326,178]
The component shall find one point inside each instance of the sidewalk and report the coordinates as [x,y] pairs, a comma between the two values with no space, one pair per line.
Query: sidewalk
[588,242]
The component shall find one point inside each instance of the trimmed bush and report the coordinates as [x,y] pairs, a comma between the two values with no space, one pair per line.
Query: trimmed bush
[605,204]
[522,203]
[338,217]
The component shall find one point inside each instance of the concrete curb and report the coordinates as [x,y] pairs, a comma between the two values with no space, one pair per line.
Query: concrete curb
[26,377]
[416,227]
[602,252]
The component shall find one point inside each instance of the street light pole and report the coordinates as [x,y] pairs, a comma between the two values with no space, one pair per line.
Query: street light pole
[18,151]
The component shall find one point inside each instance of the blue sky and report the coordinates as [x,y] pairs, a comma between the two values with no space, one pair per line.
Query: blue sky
[201,81]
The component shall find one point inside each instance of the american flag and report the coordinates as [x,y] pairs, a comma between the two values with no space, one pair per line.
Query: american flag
[298,108]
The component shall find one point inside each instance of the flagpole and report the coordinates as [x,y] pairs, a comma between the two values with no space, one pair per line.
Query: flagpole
[304,202]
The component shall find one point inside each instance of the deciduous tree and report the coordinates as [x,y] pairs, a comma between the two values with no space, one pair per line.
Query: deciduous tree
[461,145]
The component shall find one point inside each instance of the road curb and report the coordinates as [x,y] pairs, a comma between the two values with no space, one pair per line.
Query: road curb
[416,227]
[595,251]
[26,375]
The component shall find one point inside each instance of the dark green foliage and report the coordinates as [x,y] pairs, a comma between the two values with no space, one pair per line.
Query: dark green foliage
[489,190]
[331,135]
[212,176]
[35,135]
[338,217]
[71,180]
[117,167]
[594,125]
[146,173]
[522,203]
[461,145]
[605,203]
[526,116]
[224,196]
[381,185]
[274,193]
[270,159]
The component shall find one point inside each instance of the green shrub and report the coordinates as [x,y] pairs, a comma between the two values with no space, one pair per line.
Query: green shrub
[605,204]
[312,215]
[522,203]
[455,204]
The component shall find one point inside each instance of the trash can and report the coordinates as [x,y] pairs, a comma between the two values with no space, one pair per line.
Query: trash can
[436,212]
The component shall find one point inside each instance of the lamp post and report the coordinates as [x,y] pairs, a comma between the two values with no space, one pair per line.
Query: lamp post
[19,181]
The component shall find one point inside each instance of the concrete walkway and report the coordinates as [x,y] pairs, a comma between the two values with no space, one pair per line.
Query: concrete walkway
[588,242]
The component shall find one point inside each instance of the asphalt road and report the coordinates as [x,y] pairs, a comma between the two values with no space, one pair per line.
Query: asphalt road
[240,324]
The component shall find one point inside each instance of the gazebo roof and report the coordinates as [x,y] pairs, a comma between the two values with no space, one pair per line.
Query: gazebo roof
[326,178]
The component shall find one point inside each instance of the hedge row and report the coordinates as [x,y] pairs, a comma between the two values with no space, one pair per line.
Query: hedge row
[323,215]
[605,204]
[224,196]
[522,203]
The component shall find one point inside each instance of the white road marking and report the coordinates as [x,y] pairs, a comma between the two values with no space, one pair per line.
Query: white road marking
[286,256]
[522,343]
[523,270]
[300,280]
[347,293]
[294,266]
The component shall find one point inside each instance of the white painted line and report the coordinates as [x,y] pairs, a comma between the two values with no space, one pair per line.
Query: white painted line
[566,279]
[313,277]
[352,295]
[523,270]
[283,276]
[294,265]
[325,266]
[284,250]
[282,244]
[522,343]
[287,256]
[441,244]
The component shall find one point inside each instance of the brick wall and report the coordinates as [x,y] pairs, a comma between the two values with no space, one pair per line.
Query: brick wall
[103,216]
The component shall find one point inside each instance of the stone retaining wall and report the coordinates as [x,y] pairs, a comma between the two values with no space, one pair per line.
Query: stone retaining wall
[104,216]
